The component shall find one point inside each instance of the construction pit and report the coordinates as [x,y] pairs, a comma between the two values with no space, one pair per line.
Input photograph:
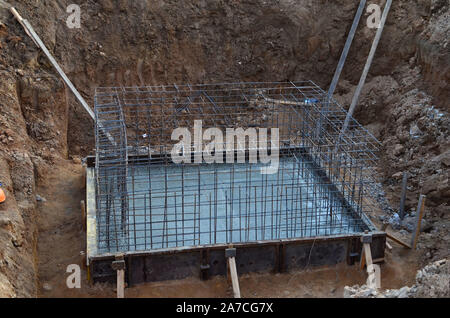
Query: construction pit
[173,227]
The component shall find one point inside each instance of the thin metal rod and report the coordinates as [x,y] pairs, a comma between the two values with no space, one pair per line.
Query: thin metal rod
[37,40]
[367,66]
[419,216]
[347,46]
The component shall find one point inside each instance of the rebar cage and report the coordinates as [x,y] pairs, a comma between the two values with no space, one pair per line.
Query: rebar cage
[146,201]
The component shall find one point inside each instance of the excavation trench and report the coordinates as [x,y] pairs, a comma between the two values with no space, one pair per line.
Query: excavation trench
[184,57]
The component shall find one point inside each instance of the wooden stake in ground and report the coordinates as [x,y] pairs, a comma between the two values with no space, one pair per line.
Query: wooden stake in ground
[419,217]
[373,270]
[374,279]
[119,266]
[230,254]
[362,263]
[83,213]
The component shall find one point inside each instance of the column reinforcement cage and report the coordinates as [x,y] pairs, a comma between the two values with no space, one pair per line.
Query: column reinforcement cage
[144,201]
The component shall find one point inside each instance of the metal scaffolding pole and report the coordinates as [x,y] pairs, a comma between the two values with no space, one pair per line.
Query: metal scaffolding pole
[37,40]
[367,67]
[347,46]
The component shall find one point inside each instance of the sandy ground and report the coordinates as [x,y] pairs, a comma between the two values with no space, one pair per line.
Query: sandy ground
[61,242]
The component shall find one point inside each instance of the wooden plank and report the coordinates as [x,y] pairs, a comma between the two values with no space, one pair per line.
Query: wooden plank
[374,276]
[83,213]
[371,278]
[119,266]
[362,263]
[373,270]
[88,274]
[396,240]
[378,260]
[377,275]
[420,213]
[91,216]
[234,277]
[229,282]
[368,254]
[121,283]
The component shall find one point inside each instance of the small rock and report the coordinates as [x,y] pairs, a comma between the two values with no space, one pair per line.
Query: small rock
[409,224]
[47,287]
[431,184]
[398,150]
[446,161]
[17,242]
[348,292]
[4,221]
[397,175]
[415,132]
[394,293]
[395,221]
[40,199]
[365,293]
[441,262]
[403,293]
[76,161]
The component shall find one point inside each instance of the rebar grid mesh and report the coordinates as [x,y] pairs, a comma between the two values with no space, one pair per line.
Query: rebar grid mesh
[145,201]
